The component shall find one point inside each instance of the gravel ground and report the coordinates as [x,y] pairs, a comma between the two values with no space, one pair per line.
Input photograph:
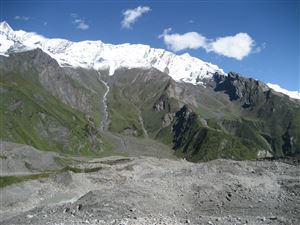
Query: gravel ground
[18,159]
[145,190]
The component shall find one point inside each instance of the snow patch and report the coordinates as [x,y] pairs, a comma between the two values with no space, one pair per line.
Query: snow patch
[292,94]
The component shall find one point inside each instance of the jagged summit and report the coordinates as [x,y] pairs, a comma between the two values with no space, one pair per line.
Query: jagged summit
[5,28]
[98,55]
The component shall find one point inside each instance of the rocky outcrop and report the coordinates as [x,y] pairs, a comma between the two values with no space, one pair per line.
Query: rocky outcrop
[247,90]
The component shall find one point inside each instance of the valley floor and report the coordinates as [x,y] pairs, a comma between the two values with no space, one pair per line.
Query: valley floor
[146,190]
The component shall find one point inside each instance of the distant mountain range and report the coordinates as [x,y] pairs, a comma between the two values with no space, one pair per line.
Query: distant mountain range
[79,97]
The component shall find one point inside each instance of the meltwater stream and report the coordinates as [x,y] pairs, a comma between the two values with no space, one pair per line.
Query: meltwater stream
[104,122]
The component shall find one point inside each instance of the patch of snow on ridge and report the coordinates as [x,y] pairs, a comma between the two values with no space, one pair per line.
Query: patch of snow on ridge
[292,94]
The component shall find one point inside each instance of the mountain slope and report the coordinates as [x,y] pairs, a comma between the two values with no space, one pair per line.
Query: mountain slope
[232,117]
[42,106]
[134,90]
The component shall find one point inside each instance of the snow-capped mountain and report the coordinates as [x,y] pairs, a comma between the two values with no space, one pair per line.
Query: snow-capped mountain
[98,55]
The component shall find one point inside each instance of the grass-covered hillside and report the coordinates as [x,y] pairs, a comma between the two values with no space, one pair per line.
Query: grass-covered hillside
[42,106]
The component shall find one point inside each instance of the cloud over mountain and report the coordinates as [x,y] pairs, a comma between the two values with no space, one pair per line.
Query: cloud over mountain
[237,46]
[24,18]
[80,23]
[132,15]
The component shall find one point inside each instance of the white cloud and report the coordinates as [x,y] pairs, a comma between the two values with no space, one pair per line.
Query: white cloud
[292,94]
[131,15]
[79,22]
[258,49]
[74,15]
[178,42]
[237,46]
[24,18]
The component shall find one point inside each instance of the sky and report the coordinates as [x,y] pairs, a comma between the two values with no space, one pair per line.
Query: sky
[258,39]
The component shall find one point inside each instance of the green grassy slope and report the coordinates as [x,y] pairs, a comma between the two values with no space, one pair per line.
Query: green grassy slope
[30,115]
[123,113]
[49,107]
[196,142]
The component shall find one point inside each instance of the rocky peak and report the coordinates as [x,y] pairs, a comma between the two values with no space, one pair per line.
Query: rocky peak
[5,29]
[246,90]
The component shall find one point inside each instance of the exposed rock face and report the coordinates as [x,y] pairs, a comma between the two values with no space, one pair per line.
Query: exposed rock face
[130,131]
[161,105]
[168,119]
[289,141]
[247,90]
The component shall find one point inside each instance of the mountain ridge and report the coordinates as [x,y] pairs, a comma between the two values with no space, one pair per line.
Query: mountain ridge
[98,55]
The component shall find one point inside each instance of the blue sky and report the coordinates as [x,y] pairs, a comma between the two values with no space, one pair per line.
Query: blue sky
[270,28]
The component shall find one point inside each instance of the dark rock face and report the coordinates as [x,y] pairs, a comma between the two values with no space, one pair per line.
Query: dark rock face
[182,124]
[162,104]
[247,91]
[288,147]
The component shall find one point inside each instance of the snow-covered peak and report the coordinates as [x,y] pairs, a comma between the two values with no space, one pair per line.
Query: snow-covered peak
[5,29]
[6,36]
[98,55]
[292,94]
